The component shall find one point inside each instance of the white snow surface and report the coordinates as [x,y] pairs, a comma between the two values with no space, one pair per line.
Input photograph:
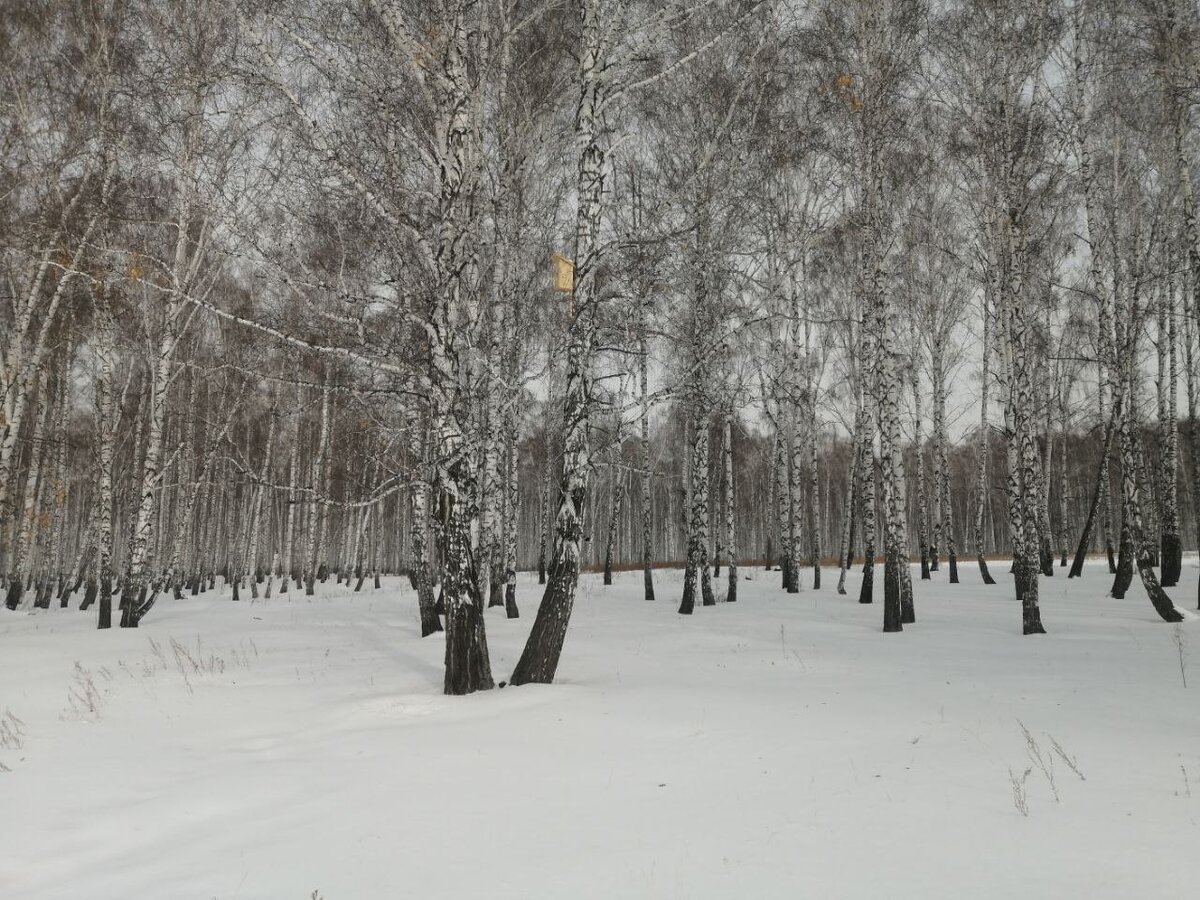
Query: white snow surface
[781,746]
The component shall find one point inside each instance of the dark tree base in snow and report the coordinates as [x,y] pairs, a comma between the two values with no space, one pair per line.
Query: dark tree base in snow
[104,615]
[983,571]
[791,578]
[731,594]
[16,589]
[648,581]
[866,592]
[468,668]
[1158,597]
[495,593]
[688,604]
[892,617]
[953,561]
[539,660]
[135,606]
[1025,580]
[1172,560]
[1124,574]
[89,595]
[430,623]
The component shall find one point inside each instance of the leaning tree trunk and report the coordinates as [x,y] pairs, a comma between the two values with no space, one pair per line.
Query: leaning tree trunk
[1158,598]
[1140,547]
[138,566]
[1082,75]
[1124,330]
[1171,545]
[27,518]
[539,660]
[1085,536]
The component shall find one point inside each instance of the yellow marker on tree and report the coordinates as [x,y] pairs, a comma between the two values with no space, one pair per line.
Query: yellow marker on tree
[564,273]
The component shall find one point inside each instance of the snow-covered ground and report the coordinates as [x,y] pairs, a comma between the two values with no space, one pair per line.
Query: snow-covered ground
[781,746]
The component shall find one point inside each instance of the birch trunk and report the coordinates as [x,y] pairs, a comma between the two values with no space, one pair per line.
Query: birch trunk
[730,529]
[1171,545]
[646,461]
[923,545]
[945,517]
[539,660]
